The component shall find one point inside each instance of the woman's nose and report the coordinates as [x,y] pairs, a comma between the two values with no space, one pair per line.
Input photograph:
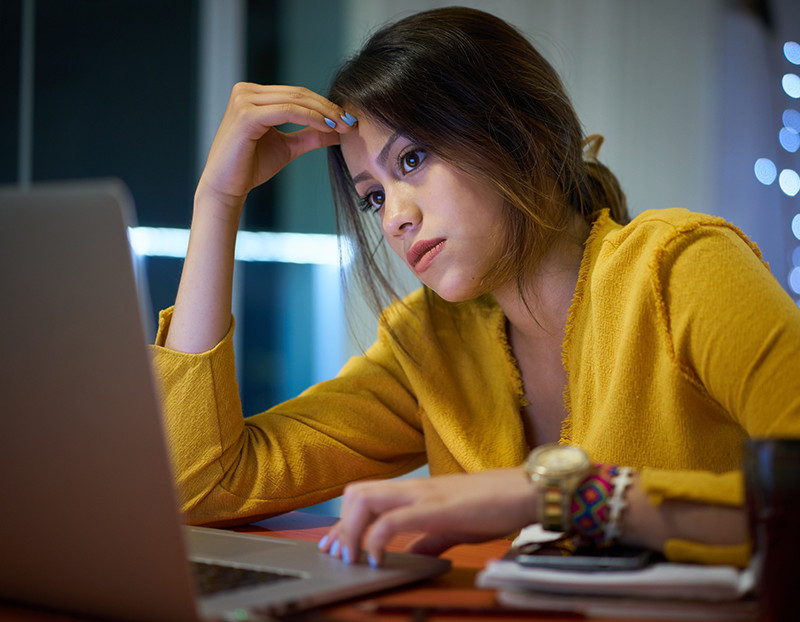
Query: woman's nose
[400,214]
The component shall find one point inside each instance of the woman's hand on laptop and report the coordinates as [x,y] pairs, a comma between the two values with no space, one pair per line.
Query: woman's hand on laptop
[445,510]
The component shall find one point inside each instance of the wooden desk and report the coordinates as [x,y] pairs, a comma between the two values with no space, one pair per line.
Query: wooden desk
[456,587]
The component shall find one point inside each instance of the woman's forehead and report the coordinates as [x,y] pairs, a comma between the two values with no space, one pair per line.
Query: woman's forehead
[370,145]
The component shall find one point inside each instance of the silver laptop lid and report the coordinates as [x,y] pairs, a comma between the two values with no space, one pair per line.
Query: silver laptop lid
[90,523]
[76,385]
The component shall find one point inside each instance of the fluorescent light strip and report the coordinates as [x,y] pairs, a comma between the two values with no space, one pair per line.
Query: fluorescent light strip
[266,246]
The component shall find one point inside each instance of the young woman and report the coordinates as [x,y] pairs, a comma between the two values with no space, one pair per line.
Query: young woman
[658,345]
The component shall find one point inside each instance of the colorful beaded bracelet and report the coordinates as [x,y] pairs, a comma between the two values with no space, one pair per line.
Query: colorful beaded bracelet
[598,503]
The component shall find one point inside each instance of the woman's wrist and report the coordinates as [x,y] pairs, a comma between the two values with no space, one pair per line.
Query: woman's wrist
[570,494]
[223,208]
[529,504]
[202,312]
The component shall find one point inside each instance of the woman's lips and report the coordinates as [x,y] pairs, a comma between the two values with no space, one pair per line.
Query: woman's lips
[422,253]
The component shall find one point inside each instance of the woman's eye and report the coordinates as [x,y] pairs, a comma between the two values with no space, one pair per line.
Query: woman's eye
[411,160]
[373,201]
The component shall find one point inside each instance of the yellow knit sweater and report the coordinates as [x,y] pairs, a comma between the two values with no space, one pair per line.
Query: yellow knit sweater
[679,346]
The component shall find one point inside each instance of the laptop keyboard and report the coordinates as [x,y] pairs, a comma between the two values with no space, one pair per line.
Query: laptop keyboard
[212,578]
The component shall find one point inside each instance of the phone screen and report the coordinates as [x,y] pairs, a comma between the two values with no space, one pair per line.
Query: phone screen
[586,559]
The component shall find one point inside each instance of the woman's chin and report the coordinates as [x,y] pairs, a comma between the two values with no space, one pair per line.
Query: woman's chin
[455,292]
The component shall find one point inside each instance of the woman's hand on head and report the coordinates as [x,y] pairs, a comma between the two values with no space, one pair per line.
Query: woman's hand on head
[444,510]
[248,149]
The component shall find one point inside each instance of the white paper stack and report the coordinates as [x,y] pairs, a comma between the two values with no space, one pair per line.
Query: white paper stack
[658,591]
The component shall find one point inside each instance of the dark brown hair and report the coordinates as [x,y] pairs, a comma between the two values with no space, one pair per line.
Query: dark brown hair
[468,87]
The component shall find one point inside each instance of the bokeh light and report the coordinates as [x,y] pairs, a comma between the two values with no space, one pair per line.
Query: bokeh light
[791,50]
[789,139]
[794,280]
[789,182]
[791,85]
[765,171]
[791,119]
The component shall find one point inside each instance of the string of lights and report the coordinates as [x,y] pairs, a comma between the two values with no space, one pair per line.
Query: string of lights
[788,179]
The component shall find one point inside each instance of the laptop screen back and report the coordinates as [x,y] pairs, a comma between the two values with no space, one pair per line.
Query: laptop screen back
[77,387]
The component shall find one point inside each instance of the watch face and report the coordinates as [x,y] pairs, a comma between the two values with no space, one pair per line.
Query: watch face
[561,459]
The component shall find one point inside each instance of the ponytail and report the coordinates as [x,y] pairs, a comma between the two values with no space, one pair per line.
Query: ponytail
[602,185]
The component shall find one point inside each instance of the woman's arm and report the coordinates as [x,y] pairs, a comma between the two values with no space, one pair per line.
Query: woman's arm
[247,151]
[229,469]
[455,509]
[650,524]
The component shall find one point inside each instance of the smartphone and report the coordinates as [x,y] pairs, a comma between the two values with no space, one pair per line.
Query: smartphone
[585,559]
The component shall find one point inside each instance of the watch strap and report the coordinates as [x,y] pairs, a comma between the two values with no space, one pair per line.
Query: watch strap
[555,507]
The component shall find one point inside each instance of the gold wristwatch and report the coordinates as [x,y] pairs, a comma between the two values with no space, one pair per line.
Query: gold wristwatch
[556,471]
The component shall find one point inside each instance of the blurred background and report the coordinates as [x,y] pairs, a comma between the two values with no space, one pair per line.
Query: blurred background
[697,99]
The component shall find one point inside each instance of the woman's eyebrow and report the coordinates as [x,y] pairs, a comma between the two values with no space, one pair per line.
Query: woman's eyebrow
[383,156]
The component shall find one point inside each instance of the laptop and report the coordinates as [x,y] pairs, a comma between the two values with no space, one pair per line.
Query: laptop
[89,521]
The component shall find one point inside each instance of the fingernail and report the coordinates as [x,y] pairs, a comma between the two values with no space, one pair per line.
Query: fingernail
[323,542]
[346,555]
[348,118]
[334,550]
[372,561]
[330,122]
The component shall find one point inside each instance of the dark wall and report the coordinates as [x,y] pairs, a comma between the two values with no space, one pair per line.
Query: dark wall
[10,16]
[114,95]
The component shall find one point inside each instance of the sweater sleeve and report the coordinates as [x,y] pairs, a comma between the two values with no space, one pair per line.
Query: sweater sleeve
[735,332]
[230,469]
[725,489]
[735,335]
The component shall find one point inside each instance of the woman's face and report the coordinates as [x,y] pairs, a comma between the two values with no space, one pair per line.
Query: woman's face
[445,225]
